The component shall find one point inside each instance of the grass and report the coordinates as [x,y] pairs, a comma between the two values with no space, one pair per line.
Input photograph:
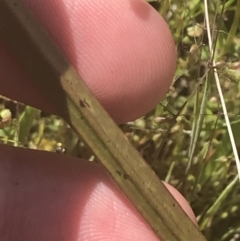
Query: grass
[185,138]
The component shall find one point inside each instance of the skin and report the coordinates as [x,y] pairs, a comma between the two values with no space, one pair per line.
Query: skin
[125,53]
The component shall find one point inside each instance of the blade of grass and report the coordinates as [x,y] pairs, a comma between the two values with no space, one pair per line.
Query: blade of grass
[216,205]
[198,112]
[198,119]
[194,130]
[233,29]
[203,156]
[215,72]
[80,109]
[25,123]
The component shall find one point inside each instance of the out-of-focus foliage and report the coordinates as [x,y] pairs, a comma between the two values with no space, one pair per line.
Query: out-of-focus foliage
[163,136]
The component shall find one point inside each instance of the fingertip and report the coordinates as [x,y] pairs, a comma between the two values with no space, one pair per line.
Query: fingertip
[123,50]
[68,198]
[110,214]
[131,56]
[182,201]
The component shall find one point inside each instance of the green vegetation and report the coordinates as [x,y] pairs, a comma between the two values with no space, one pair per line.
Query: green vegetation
[185,138]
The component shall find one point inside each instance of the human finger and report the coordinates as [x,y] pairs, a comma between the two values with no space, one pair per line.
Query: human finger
[48,196]
[123,49]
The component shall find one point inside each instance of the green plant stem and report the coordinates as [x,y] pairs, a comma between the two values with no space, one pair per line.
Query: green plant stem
[198,120]
[215,207]
[25,123]
[233,29]
[77,105]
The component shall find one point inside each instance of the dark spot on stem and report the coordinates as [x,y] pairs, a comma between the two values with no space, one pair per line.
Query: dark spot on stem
[125,176]
[83,103]
[119,173]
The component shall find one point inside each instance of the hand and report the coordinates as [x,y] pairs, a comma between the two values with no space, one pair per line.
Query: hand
[125,53]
